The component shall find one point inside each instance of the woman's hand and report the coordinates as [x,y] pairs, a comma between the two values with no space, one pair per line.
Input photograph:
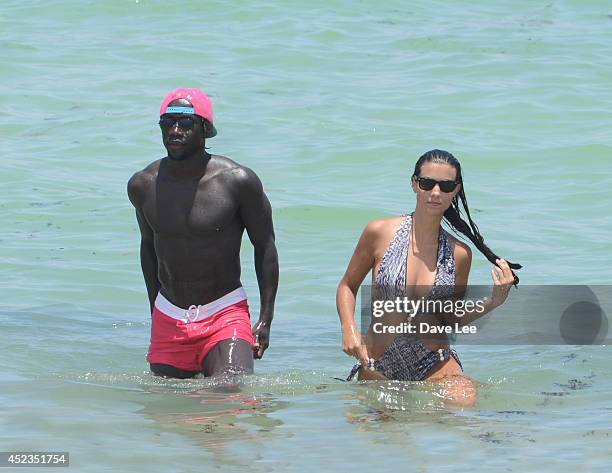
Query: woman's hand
[503,279]
[352,344]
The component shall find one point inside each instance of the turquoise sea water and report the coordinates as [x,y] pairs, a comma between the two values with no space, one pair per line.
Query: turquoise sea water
[330,103]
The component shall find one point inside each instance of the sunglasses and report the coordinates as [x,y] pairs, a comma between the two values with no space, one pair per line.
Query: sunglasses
[427,184]
[184,123]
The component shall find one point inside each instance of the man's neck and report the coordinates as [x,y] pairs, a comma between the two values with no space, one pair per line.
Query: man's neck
[192,166]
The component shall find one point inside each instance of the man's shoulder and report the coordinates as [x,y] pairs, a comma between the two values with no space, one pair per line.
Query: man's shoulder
[148,172]
[141,180]
[233,173]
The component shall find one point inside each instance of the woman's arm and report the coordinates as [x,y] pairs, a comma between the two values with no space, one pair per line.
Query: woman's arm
[502,281]
[361,263]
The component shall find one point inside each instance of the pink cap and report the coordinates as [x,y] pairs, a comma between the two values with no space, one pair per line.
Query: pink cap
[200,102]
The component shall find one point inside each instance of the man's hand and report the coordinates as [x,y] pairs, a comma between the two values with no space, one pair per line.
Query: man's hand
[261,338]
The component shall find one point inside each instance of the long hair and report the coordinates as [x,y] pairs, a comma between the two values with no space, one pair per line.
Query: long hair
[453,214]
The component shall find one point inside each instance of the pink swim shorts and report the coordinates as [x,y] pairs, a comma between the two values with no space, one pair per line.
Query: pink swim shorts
[183,337]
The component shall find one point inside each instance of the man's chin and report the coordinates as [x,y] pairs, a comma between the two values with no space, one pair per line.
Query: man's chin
[177,156]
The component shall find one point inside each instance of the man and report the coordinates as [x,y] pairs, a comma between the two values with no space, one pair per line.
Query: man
[192,209]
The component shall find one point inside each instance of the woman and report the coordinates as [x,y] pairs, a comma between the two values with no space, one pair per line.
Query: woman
[413,255]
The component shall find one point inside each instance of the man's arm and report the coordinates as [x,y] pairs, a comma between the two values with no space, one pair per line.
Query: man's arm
[148,257]
[256,213]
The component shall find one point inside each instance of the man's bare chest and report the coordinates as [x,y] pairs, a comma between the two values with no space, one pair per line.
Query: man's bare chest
[191,208]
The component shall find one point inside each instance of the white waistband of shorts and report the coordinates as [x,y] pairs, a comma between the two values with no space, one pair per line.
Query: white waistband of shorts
[196,313]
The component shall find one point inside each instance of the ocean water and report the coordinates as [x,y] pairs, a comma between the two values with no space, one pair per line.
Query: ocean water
[331,103]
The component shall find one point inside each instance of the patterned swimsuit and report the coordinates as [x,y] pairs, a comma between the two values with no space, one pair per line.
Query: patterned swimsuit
[407,358]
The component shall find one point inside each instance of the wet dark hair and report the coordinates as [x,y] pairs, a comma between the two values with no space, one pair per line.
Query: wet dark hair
[453,214]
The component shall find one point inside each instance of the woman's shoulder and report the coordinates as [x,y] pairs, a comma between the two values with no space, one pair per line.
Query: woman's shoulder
[461,251]
[379,233]
[381,226]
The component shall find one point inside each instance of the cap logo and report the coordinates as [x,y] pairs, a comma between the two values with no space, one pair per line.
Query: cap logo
[180,110]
